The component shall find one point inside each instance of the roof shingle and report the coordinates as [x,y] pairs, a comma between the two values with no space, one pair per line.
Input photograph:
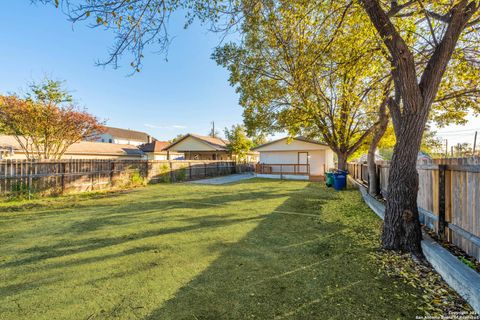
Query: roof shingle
[216,143]
[155,146]
[82,147]
[127,134]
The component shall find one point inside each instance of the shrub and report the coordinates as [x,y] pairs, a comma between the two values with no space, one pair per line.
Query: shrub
[164,173]
[20,191]
[136,179]
[180,174]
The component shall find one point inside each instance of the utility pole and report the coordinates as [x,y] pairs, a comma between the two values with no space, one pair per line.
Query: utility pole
[213,129]
[446,148]
[474,143]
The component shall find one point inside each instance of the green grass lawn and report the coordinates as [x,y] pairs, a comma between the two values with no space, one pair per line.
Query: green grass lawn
[258,249]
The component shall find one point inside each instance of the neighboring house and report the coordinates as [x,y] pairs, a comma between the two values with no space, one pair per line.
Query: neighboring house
[124,136]
[156,151]
[423,157]
[299,158]
[6,151]
[79,150]
[364,158]
[196,147]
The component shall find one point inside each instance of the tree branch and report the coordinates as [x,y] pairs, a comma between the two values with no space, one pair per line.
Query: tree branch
[436,66]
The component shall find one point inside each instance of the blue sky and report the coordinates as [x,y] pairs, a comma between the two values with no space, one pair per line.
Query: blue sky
[167,98]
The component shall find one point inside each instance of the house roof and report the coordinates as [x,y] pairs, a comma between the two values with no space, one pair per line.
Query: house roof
[81,147]
[127,134]
[155,146]
[216,143]
[299,138]
[89,147]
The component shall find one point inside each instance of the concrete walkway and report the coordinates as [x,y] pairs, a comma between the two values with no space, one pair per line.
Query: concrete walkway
[225,179]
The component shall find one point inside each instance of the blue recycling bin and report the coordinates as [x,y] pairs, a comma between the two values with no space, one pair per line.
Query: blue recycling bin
[340,180]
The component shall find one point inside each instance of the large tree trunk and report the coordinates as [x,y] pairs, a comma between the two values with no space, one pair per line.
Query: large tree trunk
[373,182]
[402,227]
[401,230]
[342,161]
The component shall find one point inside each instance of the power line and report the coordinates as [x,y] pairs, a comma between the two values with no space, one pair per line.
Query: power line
[456,131]
[456,134]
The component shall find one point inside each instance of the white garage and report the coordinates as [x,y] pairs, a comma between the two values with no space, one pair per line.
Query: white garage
[295,158]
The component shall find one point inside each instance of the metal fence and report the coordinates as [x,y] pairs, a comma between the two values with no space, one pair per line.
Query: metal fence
[281,169]
[448,197]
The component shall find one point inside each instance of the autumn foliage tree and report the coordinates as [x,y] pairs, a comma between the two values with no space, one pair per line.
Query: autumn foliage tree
[46,122]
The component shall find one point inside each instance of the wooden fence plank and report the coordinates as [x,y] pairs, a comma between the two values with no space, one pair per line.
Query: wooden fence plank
[449,193]
[441,202]
[45,176]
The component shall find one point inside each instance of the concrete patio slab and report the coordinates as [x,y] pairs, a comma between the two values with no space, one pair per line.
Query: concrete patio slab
[225,179]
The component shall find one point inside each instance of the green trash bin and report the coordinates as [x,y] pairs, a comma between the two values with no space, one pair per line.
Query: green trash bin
[329,179]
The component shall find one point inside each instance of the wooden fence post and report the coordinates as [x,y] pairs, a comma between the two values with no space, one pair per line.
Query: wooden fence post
[448,202]
[441,201]
[29,182]
[361,172]
[63,176]
[147,163]
[92,174]
[112,171]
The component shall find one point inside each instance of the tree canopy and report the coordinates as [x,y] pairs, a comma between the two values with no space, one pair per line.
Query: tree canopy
[46,122]
[238,142]
[292,77]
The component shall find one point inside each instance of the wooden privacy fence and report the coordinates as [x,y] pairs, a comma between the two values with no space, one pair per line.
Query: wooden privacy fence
[77,175]
[448,197]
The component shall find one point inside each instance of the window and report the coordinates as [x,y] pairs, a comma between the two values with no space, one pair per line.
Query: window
[303,158]
[303,162]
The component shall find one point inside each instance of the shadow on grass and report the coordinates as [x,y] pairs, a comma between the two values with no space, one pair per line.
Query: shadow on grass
[107,216]
[150,212]
[307,259]
[80,246]
[295,267]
